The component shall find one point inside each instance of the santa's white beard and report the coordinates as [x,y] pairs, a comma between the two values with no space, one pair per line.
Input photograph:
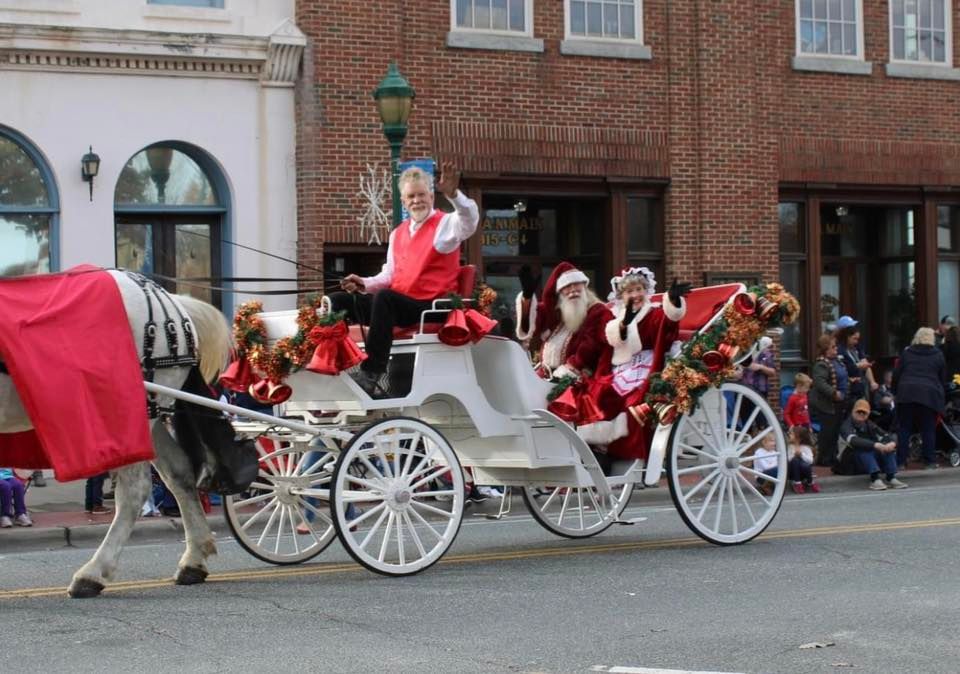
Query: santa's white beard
[574,311]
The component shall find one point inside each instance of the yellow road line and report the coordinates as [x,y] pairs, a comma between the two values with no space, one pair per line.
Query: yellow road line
[274,573]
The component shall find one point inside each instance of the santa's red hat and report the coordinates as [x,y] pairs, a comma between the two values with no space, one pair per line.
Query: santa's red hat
[563,275]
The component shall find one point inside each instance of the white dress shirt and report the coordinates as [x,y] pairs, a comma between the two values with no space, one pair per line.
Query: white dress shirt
[453,229]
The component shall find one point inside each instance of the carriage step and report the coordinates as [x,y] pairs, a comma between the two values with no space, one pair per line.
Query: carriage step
[630,522]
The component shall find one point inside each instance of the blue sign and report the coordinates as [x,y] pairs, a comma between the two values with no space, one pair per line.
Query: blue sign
[426,164]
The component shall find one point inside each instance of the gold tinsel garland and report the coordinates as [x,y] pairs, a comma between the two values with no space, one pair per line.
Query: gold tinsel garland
[288,354]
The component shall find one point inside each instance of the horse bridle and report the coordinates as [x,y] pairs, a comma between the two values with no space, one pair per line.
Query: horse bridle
[148,363]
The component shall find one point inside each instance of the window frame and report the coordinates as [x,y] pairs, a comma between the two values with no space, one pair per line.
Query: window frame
[860,56]
[527,22]
[637,22]
[948,42]
[217,4]
[53,193]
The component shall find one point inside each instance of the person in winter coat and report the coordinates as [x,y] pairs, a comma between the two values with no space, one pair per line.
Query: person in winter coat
[826,398]
[951,351]
[875,450]
[918,384]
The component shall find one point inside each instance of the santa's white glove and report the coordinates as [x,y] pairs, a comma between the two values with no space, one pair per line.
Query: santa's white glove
[565,371]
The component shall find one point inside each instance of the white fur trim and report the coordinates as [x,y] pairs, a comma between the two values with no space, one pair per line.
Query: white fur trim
[604,432]
[572,276]
[624,350]
[521,335]
[672,312]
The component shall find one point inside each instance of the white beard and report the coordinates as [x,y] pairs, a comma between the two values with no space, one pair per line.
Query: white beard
[574,312]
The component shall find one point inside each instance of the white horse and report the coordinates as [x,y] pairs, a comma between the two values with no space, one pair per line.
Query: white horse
[183,463]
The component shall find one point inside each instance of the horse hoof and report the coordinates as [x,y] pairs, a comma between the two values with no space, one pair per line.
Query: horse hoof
[190,575]
[84,588]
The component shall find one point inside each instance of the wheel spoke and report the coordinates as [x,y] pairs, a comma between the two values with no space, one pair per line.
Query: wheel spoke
[364,483]
[706,501]
[293,530]
[425,523]
[432,476]
[753,488]
[746,501]
[755,440]
[553,495]
[386,537]
[697,468]
[712,422]
[437,511]
[414,443]
[424,465]
[596,504]
[704,438]
[325,516]
[733,508]
[697,487]
[413,534]
[696,450]
[366,462]
[373,529]
[378,444]
[252,500]
[365,515]
[308,524]
[720,497]
[580,504]
[735,417]
[563,507]
[432,494]
[400,551]
[246,525]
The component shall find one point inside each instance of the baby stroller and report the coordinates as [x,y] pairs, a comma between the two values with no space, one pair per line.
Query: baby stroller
[947,436]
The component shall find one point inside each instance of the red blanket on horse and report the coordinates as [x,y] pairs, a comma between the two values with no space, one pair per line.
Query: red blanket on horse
[67,343]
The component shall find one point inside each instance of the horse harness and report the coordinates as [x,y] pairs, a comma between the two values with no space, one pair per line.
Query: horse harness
[150,364]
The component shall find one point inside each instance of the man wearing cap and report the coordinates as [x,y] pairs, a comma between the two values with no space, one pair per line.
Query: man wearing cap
[566,325]
[423,262]
[875,451]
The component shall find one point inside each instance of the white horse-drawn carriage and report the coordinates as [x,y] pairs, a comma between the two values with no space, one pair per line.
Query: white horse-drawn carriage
[386,476]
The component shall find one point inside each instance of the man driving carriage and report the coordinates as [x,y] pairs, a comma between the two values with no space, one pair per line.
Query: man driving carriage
[423,261]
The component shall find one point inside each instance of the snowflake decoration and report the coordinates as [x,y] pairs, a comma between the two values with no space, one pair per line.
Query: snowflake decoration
[374,188]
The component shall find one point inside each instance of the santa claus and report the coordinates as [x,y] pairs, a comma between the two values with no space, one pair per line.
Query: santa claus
[566,326]
[640,335]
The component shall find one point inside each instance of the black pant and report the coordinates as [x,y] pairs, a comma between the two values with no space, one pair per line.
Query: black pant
[799,470]
[827,437]
[382,311]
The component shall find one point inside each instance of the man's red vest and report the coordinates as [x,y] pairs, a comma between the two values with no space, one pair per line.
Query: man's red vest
[419,270]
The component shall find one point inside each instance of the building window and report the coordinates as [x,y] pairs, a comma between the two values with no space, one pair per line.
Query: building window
[169,218]
[28,208]
[948,262]
[830,28]
[214,4]
[605,19]
[645,236]
[511,17]
[920,31]
[793,272]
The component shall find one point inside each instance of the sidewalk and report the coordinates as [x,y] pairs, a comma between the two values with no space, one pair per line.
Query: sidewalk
[59,517]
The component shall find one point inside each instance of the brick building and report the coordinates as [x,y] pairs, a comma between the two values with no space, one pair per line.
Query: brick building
[813,141]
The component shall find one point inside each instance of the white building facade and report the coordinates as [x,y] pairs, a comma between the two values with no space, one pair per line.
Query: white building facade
[189,105]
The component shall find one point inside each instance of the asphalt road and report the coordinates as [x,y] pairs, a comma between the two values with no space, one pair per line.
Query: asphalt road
[869,576]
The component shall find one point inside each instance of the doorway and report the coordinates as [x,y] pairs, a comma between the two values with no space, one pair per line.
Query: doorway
[174,245]
[868,271]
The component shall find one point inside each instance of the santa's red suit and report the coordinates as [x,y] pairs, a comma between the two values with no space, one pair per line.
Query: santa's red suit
[650,335]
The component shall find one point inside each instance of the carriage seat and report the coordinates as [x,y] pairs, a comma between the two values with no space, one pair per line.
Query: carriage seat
[465,281]
[702,305]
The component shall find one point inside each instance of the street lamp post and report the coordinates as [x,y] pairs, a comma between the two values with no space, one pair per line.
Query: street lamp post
[394,97]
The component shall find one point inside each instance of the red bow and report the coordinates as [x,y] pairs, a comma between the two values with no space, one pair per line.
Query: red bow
[335,350]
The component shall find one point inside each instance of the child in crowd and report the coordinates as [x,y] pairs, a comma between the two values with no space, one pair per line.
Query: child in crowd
[13,507]
[797,413]
[765,461]
[800,464]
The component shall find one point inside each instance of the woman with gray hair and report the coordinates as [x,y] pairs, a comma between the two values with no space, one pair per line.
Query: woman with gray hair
[918,385]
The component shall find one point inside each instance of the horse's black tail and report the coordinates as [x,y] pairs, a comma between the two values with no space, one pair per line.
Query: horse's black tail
[208,440]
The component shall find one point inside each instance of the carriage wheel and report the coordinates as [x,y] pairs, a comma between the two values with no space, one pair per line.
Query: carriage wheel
[576,512]
[292,485]
[407,483]
[713,483]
